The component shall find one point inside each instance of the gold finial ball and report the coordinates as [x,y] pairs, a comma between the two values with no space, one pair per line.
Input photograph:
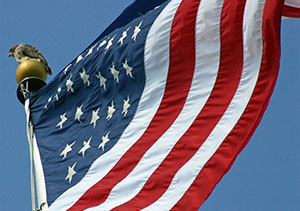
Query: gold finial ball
[31,68]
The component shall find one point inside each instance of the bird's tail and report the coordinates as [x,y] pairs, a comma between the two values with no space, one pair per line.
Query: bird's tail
[48,70]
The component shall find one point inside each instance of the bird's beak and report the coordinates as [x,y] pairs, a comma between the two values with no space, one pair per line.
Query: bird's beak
[10,54]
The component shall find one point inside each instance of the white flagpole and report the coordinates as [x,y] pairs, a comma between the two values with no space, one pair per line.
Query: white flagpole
[36,169]
[30,141]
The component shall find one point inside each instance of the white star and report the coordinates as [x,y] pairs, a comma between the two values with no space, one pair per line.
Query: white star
[110,111]
[58,91]
[86,146]
[105,139]
[56,97]
[78,113]
[49,101]
[126,106]
[102,80]
[67,149]
[109,43]
[128,69]
[101,44]
[69,84]
[71,173]
[63,118]
[95,117]
[79,58]
[66,69]
[114,72]
[124,35]
[84,76]
[90,51]
[137,30]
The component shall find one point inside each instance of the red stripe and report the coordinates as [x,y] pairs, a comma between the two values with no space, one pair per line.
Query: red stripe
[231,65]
[291,12]
[222,160]
[182,62]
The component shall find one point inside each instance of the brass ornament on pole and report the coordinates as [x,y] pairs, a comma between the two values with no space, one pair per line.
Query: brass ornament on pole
[31,76]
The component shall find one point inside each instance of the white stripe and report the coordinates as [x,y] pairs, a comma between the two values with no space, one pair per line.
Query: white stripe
[292,3]
[206,71]
[156,70]
[252,59]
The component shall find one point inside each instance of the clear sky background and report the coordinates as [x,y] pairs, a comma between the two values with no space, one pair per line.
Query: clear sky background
[265,176]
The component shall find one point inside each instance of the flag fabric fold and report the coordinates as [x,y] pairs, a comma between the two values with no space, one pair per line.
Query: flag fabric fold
[154,112]
[291,9]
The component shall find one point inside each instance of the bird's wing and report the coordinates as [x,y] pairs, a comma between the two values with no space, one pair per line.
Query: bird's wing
[34,53]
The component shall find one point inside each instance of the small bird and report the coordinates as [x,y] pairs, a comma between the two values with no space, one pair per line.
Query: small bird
[23,52]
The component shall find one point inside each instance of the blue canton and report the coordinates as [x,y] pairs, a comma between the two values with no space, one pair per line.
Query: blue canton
[81,114]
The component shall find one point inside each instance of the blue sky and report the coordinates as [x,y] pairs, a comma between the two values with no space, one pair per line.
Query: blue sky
[265,175]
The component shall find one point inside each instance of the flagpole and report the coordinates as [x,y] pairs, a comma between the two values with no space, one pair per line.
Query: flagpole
[30,141]
[31,77]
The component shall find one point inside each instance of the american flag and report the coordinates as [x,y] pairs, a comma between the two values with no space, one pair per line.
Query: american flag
[154,112]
